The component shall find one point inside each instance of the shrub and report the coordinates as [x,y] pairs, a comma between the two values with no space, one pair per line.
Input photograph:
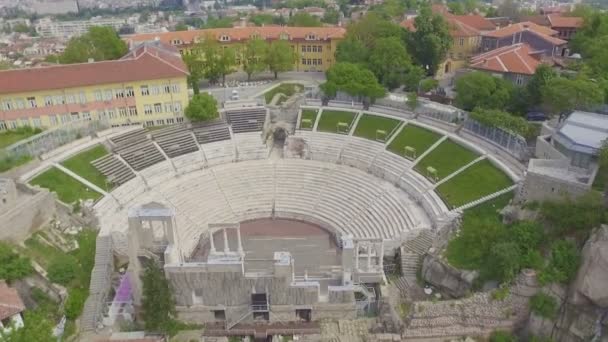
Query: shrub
[75,302]
[578,216]
[13,266]
[504,120]
[63,269]
[543,305]
[564,262]
[502,336]
[202,107]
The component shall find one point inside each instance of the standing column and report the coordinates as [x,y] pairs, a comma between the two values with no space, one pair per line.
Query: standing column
[381,261]
[226,248]
[357,255]
[238,238]
[211,242]
[369,256]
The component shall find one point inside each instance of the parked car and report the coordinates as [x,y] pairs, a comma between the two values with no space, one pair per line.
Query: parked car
[235,95]
[536,116]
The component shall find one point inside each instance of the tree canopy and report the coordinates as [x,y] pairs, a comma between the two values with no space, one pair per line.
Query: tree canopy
[37,327]
[354,80]
[479,89]
[12,265]
[157,302]
[431,41]
[562,95]
[254,57]
[202,107]
[303,19]
[100,44]
[389,61]
[280,57]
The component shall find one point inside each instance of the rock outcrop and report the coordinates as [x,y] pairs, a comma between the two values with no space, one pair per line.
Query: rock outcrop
[591,284]
[451,281]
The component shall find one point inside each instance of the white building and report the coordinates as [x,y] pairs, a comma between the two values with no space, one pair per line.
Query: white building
[46,27]
[11,307]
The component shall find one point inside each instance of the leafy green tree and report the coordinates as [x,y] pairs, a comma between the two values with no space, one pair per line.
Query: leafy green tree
[331,16]
[254,57]
[479,89]
[181,27]
[543,305]
[412,100]
[504,120]
[196,68]
[564,262]
[413,78]
[506,257]
[37,327]
[280,57]
[543,75]
[261,19]
[502,336]
[430,42]
[13,266]
[303,19]
[157,303]
[219,22]
[352,50]
[211,60]
[390,9]
[389,61]
[428,84]
[202,107]
[369,29]
[563,95]
[99,43]
[456,7]
[574,216]
[62,270]
[353,80]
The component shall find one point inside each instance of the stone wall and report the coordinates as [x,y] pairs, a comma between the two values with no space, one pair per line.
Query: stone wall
[33,209]
[537,187]
[544,149]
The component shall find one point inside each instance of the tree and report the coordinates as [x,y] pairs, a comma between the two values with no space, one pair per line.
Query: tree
[13,266]
[603,161]
[157,302]
[412,100]
[564,262]
[428,84]
[543,305]
[331,16]
[202,107]
[369,29]
[36,327]
[100,43]
[543,75]
[262,19]
[505,256]
[456,7]
[352,50]
[562,95]
[303,19]
[504,120]
[211,60]
[479,89]
[389,61]
[196,68]
[354,80]
[62,270]
[280,57]
[254,57]
[430,42]
[181,27]
[413,77]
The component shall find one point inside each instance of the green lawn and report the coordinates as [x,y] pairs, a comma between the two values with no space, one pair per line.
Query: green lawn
[417,137]
[310,114]
[446,158]
[330,118]
[7,163]
[81,165]
[10,137]
[479,180]
[284,88]
[67,188]
[368,124]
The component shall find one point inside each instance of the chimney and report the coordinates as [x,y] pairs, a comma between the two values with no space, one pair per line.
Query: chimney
[90,60]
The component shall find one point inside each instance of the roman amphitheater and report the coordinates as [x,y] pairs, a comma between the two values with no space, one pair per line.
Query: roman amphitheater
[259,217]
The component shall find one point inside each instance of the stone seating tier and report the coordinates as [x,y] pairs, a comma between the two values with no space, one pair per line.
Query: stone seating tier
[141,155]
[248,119]
[130,137]
[175,140]
[211,131]
[114,170]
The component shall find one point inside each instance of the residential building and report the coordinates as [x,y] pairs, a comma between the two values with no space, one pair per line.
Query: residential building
[516,63]
[46,27]
[45,7]
[565,26]
[147,86]
[314,46]
[539,38]
[11,307]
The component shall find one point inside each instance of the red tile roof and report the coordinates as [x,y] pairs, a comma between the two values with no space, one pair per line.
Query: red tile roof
[518,27]
[476,21]
[558,20]
[146,63]
[509,59]
[457,27]
[10,302]
[240,33]
[409,24]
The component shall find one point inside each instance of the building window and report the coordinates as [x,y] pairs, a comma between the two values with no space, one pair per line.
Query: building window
[303,48]
[48,101]
[145,91]
[310,37]
[179,120]
[158,108]
[122,112]
[461,41]
[160,122]
[320,48]
[59,100]
[65,118]
[13,124]
[86,116]
[132,111]
[154,90]
[167,88]
[119,93]
[314,48]
[53,120]
[314,61]
[308,48]
[101,115]
[83,97]
[71,98]
[36,122]
[225,38]
[110,113]
[32,102]
[7,104]
[519,79]
[319,61]
[175,88]
[107,95]
[98,95]
[168,107]
[304,61]
[25,122]
[308,61]
[3,125]
[147,109]
[170,121]
[75,116]
[177,107]
[130,92]
[149,123]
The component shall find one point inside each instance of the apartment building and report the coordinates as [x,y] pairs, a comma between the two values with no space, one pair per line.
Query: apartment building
[541,38]
[147,86]
[314,46]
[47,27]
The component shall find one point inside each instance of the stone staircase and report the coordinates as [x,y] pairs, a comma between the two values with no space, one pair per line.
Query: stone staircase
[412,251]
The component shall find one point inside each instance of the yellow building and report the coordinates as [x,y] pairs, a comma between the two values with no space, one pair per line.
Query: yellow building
[147,86]
[314,46]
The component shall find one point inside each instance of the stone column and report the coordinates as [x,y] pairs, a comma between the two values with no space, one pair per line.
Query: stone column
[357,255]
[369,256]
[226,248]
[381,261]
[211,243]
[238,237]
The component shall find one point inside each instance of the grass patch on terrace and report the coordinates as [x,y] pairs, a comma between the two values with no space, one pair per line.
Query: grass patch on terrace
[287,89]
[330,119]
[81,165]
[309,114]
[7,162]
[67,188]
[12,136]
[446,158]
[417,137]
[479,180]
[368,124]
